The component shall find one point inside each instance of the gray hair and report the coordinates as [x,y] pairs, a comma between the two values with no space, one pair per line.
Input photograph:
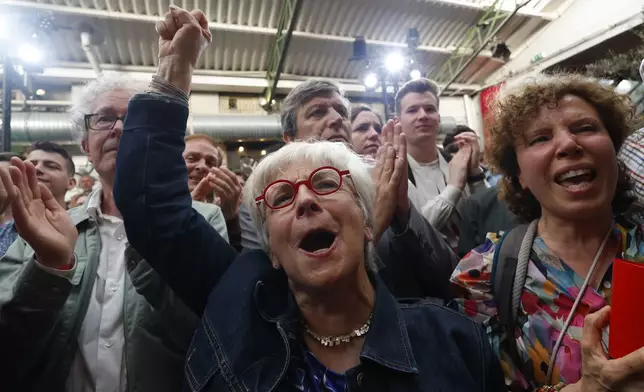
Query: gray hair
[83,103]
[315,153]
[300,96]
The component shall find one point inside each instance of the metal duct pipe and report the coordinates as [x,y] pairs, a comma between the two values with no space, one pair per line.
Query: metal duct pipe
[87,43]
[234,127]
[28,127]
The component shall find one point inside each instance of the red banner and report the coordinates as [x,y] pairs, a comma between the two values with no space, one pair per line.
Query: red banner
[487,96]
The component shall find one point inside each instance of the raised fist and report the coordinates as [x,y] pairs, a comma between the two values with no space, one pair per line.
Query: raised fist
[183,36]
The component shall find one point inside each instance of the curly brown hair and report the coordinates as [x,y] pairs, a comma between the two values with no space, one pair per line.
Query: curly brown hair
[514,108]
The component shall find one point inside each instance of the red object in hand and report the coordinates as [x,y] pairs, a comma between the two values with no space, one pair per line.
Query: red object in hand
[627,308]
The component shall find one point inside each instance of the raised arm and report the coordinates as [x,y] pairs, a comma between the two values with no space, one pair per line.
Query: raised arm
[150,189]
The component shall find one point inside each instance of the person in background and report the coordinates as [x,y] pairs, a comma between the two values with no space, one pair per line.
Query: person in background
[483,213]
[8,233]
[86,182]
[54,168]
[366,127]
[87,314]
[210,182]
[417,261]
[555,140]
[292,306]
[441,186]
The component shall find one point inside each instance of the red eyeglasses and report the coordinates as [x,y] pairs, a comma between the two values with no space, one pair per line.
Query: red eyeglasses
[322,181]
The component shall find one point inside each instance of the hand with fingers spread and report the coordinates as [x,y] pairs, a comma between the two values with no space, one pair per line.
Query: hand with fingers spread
[39,219]
[459,166]
[386,175]
[470,139]
[392,133]
[600,374]
[227,189]
[183,35]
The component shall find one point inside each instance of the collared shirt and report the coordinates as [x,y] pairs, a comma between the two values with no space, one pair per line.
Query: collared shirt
[8,235]
[439,201]
[99,364]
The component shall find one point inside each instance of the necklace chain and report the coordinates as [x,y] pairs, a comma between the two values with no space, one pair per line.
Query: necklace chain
[330,341]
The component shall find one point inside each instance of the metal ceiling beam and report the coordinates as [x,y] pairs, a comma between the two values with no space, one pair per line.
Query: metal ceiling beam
[476,40]
[205,80]
[289,14]
[126,16]
[480,6]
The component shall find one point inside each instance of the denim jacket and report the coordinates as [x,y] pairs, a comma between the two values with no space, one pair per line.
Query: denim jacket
[41,315]
[249,323]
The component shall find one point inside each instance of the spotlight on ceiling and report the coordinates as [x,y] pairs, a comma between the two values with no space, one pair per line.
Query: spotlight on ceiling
[501,51]
[370,80]
[413,38]
[394,62]
[40,92]
[359,49]
[30,54]
[415,74]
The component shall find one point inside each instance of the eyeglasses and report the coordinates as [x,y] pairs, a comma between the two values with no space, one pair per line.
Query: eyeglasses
[322,181]
[101,122]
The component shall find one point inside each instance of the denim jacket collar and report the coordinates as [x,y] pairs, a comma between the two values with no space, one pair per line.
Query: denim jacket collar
[387,342]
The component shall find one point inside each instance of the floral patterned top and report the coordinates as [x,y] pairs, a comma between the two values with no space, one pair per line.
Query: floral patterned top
[307,374]
[550,290]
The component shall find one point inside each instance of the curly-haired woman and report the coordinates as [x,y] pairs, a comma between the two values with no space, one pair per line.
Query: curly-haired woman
[555,140]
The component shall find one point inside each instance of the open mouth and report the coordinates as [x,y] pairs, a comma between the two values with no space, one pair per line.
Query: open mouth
[318,241]
[576,179]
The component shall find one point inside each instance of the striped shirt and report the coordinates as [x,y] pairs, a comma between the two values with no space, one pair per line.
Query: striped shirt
[632,156]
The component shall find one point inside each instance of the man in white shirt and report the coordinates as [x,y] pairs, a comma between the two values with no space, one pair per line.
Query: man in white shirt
[441,184]
[99,319]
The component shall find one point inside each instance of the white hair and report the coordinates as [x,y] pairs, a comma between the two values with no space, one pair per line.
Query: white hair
[315,154]
[83,103]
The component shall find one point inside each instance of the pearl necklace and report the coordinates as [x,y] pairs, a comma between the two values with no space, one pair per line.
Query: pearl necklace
[330,341]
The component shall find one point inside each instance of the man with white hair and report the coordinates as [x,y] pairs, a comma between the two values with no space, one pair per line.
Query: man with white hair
[417,260]
[105,321]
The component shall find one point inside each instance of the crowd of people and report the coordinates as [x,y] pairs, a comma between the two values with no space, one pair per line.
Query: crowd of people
[359,256]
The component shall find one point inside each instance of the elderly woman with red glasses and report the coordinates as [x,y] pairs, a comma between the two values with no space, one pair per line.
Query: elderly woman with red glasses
[308,312]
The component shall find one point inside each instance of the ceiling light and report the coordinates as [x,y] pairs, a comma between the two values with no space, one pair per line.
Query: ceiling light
[30,54]
[359,48]
[263,152]
[370,80]
[40,92]
[395,62]
[415,74]
[241,149]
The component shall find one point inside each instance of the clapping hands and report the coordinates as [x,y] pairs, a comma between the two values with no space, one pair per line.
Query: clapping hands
[39,219]
[390,176]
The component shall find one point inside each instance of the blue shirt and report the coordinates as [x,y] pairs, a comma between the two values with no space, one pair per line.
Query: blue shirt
[308,374]
[8,235]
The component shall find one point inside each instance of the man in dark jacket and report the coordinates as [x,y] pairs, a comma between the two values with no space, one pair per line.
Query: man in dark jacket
[483,213]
